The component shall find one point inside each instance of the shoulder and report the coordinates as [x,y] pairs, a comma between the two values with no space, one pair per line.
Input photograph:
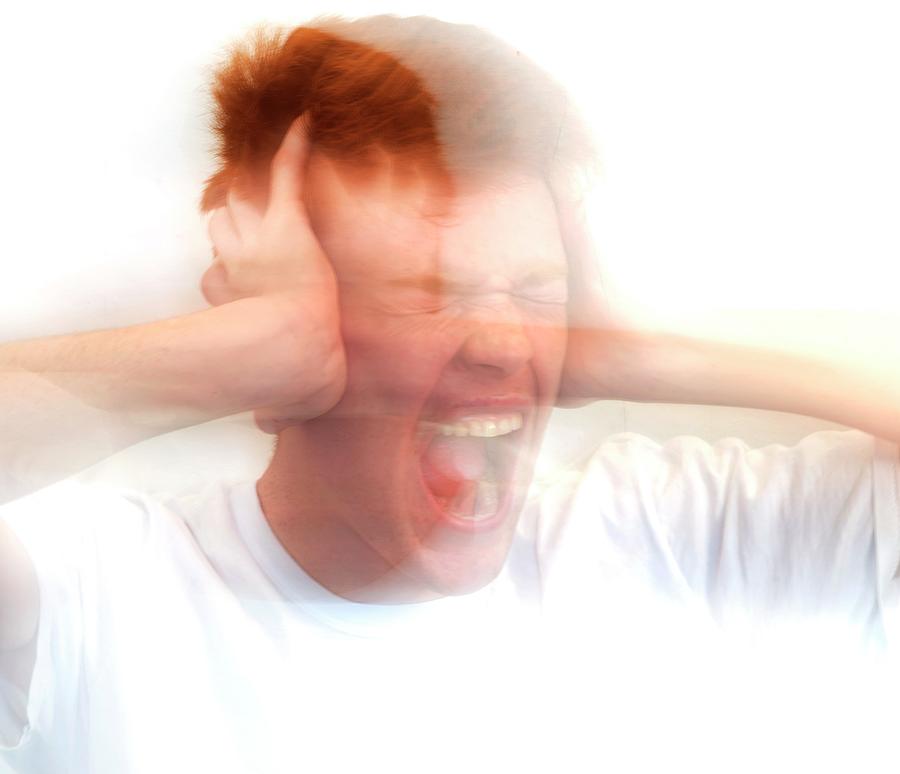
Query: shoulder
[59,518]
[796,530]
[72,527]
[636,457]
[689,486]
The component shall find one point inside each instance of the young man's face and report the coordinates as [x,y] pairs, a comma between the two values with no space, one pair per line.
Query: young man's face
[453,317]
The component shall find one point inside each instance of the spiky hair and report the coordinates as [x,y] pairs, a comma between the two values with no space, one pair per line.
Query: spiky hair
[452,96]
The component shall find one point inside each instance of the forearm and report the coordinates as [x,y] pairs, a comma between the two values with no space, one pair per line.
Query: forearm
[67,402]
[673,368]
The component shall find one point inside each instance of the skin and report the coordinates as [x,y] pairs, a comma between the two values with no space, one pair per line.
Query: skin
[274,343]
[344,491]
[443,299]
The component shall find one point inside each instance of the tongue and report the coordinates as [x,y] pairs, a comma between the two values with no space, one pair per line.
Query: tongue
[450,460]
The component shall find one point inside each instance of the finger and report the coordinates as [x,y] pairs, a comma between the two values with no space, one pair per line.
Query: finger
[214,284]
[589,302]
[223,234]
[580,248]
[267,425]
[289,166]
[273,421]
[244,213]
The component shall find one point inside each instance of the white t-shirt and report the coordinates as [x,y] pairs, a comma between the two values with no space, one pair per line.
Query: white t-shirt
[179,636]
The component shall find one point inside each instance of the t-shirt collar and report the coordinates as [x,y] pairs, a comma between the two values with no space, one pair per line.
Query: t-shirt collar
[354,618]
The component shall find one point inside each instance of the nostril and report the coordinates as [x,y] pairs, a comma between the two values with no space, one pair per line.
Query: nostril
[503,349]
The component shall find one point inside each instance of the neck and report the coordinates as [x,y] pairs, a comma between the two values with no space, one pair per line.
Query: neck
[302,504]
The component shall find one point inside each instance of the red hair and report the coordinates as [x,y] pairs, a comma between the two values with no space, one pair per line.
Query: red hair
[450,96]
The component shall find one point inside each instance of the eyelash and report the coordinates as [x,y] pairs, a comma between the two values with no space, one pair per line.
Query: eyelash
[548,297]
[546,300]
[546,303]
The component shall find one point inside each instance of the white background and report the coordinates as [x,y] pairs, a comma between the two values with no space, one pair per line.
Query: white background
[750,155]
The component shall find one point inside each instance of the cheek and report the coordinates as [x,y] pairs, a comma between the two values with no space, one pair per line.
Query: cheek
[549,347]
[392,362]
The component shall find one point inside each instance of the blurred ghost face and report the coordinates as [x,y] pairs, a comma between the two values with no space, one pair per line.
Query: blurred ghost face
[453,319]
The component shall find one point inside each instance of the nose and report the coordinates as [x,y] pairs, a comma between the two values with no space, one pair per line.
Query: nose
[496,347]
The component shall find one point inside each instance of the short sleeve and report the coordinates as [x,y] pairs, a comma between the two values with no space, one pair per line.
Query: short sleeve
[756,535]
[58,528]
[781,531]
[38,522]
[887,531]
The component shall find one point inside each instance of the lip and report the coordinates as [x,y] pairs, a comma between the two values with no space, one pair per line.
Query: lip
[427,427]
[507,497]
[473,408]
[466,525]
[454,409]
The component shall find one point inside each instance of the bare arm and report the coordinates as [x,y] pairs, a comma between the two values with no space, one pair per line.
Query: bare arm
[271,343]
[660,367]
[842,367]
[71,401]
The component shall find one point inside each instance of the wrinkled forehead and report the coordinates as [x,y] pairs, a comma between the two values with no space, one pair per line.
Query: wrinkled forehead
[389,218]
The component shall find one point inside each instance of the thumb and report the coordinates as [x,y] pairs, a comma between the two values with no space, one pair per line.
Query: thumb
[289,166]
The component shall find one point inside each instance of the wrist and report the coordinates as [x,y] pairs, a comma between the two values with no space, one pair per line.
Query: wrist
[610,364]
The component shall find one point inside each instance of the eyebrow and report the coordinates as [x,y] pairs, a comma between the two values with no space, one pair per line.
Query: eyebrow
[430,282]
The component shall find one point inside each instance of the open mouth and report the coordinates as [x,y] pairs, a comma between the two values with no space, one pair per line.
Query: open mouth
[468,466]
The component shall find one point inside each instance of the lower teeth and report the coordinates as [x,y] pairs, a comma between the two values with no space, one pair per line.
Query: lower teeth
[487,498]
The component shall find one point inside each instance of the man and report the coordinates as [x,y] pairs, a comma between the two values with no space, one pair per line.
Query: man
[401,292]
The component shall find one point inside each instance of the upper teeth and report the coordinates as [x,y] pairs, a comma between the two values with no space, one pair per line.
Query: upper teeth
[483,427]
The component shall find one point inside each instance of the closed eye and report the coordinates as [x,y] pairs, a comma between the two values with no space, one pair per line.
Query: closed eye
[553,292]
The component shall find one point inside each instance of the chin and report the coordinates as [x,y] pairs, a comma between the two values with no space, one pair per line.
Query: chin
[433,504]
[463,497]
[459,574]
[456,557]
[429,573]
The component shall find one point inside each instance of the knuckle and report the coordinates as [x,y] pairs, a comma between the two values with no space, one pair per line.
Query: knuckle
[214,223]
[213,287]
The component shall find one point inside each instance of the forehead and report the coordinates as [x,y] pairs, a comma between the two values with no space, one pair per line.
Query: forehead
[386,222]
